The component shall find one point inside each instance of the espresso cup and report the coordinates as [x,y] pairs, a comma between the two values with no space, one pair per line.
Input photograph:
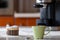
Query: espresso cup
[13,30]
[39,31]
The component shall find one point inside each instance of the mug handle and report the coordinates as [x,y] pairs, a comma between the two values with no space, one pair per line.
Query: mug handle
[48,31]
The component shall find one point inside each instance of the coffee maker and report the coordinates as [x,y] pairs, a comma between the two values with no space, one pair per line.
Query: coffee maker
[49,12]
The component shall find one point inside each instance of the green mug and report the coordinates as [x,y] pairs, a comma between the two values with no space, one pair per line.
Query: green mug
[39,31]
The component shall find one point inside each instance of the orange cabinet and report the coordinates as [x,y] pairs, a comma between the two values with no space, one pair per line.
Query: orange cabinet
[18,21]
[5,20]
[26,22]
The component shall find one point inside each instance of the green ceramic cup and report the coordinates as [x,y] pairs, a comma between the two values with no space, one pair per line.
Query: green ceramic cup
[39,31]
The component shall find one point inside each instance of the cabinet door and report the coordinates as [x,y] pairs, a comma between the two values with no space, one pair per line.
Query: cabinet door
[26,6]
[6,7]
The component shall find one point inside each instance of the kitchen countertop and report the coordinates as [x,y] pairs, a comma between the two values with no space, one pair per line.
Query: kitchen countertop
[27,32]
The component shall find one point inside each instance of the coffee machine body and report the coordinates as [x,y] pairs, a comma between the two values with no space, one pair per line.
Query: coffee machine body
[49,14]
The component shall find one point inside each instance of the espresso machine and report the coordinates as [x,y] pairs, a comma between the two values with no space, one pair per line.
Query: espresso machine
[49,12]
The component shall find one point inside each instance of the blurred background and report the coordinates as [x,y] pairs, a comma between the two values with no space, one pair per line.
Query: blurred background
[19,12]
[14,8]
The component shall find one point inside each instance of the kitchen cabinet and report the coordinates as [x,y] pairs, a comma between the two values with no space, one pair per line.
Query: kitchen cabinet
[25,6]
[8,9]
[18,21]
[16,5]
[6,19]
[26,21]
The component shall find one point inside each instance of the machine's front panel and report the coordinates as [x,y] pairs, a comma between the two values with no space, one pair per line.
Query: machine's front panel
[51,12]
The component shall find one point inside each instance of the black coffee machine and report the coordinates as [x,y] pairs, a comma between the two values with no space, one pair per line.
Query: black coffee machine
[49,12]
